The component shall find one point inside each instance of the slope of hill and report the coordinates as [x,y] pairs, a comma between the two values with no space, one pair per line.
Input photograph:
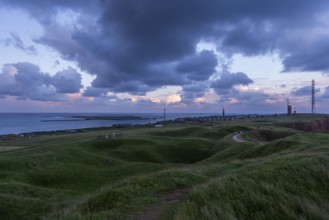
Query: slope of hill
[175,172]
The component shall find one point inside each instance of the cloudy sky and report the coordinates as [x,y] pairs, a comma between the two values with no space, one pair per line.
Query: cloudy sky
[142,56]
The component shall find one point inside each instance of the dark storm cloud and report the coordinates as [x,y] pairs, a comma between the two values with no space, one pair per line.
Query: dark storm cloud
[26,81]
[139,46]
[67,81]
[94,92]
[304,91]
[308,56]
[198,67]
[61,38]
[30,75]
[228,80]
[16,41]
[250,38]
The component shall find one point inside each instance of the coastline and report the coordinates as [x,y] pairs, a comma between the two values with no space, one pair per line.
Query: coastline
[110,118]
[130,122]
[113,126]
[21,123]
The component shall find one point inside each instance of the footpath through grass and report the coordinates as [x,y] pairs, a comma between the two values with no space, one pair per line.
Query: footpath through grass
[175,172]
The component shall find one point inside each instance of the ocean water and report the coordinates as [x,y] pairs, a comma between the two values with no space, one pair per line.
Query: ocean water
[17,123]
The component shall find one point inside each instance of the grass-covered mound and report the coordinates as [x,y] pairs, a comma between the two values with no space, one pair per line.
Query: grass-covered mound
[269,134]
[154,151]
[172,173]
[213,132]
[277,189]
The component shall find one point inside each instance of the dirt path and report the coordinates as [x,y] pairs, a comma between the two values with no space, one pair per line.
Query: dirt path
[156,210]
[236,137]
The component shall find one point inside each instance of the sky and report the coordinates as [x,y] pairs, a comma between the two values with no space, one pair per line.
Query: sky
[197,56]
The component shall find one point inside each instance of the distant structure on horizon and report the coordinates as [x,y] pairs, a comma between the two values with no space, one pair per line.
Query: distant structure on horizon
[223,112]
[288,107]
[313,96]
[164,114]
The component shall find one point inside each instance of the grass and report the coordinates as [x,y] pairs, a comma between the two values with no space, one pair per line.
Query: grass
[278,173]
[284,189]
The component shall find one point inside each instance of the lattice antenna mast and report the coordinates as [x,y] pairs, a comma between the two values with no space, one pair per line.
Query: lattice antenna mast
[313,96]
[288,107]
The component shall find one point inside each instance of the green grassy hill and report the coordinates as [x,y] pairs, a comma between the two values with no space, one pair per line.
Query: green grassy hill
[175,172]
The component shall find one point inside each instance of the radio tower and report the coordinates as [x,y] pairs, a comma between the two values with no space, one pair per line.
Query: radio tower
[288,107]
[313,96]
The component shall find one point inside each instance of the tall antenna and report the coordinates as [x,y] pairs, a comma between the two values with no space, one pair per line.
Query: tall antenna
[313,96]
[164,114]
[288,107]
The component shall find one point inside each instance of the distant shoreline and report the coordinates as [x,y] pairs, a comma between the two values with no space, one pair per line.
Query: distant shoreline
[109,118]
[126,121]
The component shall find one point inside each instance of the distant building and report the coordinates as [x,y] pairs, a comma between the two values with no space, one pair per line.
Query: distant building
[223,112]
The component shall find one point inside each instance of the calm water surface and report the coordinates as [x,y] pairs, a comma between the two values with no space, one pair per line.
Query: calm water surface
[16,123]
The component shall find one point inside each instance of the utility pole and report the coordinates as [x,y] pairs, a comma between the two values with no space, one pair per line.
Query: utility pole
[313,96]
[288,107]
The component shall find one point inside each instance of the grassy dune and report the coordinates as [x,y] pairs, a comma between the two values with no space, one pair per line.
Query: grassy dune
[175,172]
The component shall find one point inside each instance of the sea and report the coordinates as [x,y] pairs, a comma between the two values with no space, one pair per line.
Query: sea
[18,123]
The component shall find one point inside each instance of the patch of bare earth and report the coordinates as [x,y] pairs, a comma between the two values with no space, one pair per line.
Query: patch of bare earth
[317,125]
[155,211]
